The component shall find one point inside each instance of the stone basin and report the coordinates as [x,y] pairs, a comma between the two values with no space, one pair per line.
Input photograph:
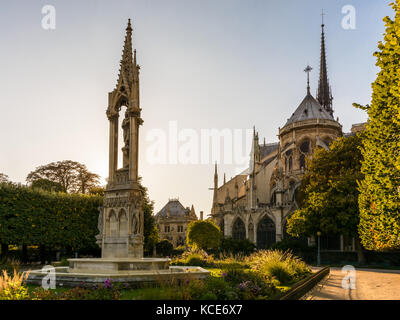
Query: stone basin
[65,277]
[116,265]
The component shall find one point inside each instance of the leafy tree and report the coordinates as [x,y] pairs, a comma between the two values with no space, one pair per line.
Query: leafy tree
[329,186]
[380,190]
[86,180]
[150,230]
[164,248]
[204,234]
[97,191]
[46,185]
[3,178]
[73,176]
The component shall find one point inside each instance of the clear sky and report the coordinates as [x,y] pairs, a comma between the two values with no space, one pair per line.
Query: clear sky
[204,64]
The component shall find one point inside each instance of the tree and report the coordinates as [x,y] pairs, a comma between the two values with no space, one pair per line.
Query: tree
[97,191]
[46,185]
[72,176]
[150,230]
[380,190]
[3,178]
[329,186]
[165,248]
[204,234]
[86,180]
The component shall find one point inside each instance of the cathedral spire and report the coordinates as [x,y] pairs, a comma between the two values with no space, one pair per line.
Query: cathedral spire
[215,196]
[127,67]
[324,95]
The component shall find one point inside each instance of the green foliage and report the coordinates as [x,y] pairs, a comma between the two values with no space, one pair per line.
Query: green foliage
[195,257]
[57,220]
[106,291]
[47,185]
[236,246]
[164,248]
[329,187]
[4,178]
[97,191]
[151,236]
[250,284]
[292,244]
[380,190]
[282,266]
[71,176]
[9,265]
[204,234]
[11,287]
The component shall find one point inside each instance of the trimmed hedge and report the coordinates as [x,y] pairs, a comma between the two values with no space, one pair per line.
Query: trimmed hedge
[47,219]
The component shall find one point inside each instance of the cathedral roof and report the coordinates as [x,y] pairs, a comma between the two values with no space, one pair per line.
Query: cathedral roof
[309,109]
[267,149]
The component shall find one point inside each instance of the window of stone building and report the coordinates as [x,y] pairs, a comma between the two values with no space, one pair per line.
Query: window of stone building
[239,230]
[166,229]
[302,162]
[180,228]
[305,146]
[289,161]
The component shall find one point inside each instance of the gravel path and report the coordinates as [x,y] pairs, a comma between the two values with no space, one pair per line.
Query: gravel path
[370,284]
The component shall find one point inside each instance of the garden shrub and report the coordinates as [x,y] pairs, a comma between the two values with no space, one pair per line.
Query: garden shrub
[250,284]
[164,248]
[194,257]
[11,287]
[47,219]
[237,246]
[9,264]
[204,234]
[283,266]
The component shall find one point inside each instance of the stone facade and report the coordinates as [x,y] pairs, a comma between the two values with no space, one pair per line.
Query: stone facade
[121,217]
[173,220]
[256,203]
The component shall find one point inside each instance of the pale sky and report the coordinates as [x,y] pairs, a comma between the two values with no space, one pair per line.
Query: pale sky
[204,64]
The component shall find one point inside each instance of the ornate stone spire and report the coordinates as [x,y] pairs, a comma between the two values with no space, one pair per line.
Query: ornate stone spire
[215,196]
[324,95]
[126,72]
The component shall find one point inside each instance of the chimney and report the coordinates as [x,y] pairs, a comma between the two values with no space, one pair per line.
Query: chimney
[201,215]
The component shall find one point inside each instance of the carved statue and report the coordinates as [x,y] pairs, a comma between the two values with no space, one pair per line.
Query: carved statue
[135,222]
[126,131]
[100,221]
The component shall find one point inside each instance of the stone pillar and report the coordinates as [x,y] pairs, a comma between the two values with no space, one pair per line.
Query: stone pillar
[113,146]
[133,148]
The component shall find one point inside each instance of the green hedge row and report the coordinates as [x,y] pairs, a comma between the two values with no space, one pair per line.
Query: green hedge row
[57,220]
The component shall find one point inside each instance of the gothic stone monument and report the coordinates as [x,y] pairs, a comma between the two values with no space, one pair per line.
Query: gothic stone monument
[120,221]
[121,217]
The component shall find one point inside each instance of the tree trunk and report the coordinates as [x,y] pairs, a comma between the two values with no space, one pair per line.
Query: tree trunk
[24,256]
[4,250]
[359,250]
[43,254]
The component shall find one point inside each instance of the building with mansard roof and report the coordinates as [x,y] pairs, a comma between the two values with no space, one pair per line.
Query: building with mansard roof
[256,203]
[173,220]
